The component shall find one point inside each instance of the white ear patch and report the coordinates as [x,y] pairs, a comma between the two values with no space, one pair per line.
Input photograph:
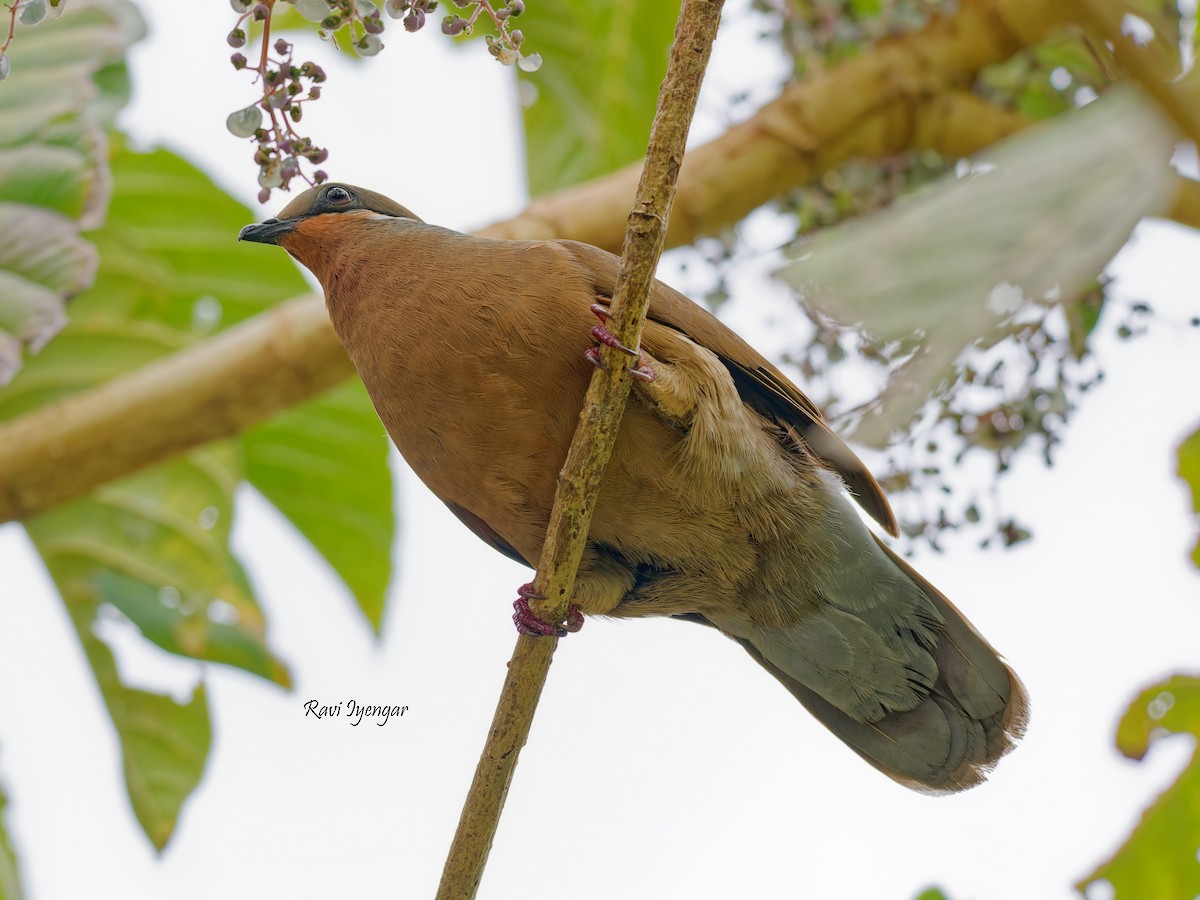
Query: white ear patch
[371,214]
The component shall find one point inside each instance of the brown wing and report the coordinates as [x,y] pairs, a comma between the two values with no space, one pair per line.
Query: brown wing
[762,387]
[486,533]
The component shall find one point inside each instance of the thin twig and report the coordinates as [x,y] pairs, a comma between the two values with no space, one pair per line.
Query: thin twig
[579,481]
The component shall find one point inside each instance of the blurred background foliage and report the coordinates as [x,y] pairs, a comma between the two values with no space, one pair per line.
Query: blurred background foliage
[81,214]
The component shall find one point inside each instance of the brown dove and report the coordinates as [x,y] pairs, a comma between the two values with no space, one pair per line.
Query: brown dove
[726,498]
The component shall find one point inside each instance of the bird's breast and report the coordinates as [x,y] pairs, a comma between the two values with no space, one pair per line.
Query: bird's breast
[480,398]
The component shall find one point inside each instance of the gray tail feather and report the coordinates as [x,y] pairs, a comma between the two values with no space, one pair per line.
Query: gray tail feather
[936,748]
[972,715]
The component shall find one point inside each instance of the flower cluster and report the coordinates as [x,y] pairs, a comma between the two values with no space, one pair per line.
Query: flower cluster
[286,85]
[27,12]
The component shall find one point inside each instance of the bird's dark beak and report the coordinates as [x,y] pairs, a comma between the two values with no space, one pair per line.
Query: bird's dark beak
[268,231]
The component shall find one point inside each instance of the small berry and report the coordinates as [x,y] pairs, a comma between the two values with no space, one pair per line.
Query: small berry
[282,46]
[236,38]
[517,37]
[33,11]
[245,123]
[270,175]
[312,10]
[239,6]
[396,8]
[415,20]
[372,26]
[239,61]
[261,12]
[320,176]
[368,45]
[516,7]
[314,93]
[264,195]
[5,66]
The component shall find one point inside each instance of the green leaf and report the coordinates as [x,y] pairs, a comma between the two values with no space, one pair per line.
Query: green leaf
[931,893]
[1189,471]
[53,166]
[1071,52]
[10,875]
[1031,221]
[1038,100]
[164,744]
[155,546]
[593,99]
[206,622]
[866,9]
[324,466]
[1158,861]
[183,229]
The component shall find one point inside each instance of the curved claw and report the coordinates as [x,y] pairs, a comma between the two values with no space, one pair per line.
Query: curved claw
[642,371]
[606,337]
[528,623]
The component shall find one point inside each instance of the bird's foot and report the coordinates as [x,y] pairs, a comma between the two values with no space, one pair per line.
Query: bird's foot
[528,623]
[641,370]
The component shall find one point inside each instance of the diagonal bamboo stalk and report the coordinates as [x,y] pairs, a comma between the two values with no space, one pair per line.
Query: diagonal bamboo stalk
[579,482]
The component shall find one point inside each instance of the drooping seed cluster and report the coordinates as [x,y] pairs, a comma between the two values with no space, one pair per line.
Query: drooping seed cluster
[287,85]
[27,12]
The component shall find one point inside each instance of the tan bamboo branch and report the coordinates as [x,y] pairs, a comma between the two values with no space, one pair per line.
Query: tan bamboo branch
[1146,65]
[812,126]
[215,389]
[579,482]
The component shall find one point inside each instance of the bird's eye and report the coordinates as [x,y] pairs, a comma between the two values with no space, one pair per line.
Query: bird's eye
[337,195]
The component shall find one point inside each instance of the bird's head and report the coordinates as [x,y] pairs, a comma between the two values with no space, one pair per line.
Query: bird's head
[321,219]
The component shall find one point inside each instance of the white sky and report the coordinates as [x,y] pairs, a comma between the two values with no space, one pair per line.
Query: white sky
[662,763]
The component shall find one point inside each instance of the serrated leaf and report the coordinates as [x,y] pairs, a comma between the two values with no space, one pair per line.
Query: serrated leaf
[203,627]
[10,874]
[155,546]
[595,93]
[160,536]
[53,162]
[1037,217]
[1158,861]
[164,744]
[324,466]
[1189,471]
